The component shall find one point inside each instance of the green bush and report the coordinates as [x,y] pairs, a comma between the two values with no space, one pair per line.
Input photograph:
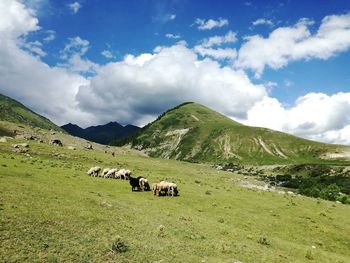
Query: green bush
[331,192]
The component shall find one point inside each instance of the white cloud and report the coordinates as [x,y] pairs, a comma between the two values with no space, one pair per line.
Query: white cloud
[50,36]
[207,47]
[107,54]
[172,36]
[148,84]
[16,19]
[230,37]
[315,116]
[286,44]
[138,88]
[170,17]
[210,23]
[74,7]
[76,45]
[72,53]
[216,53]
[262,21]
[34,47]
[47,90]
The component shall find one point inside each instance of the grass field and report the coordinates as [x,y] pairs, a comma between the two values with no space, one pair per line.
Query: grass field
[51,211]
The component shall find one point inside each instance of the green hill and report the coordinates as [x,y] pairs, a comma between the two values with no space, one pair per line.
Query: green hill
[51,211]
[193,132]
[13,111]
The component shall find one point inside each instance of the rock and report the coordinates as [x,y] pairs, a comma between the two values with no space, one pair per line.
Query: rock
[3,139]
[25,145]
[56,142]
[89,147]
[71,147]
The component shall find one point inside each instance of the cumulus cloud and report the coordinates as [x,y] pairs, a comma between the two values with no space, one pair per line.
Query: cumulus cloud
[208,47]
[315,116]
[209,24]
[172,36]
[34,47]
[230,37]
[216,53]
[47,90]
[73,53]
[74,7]
[262,21]
[148,84]
[138,88]
[286,44]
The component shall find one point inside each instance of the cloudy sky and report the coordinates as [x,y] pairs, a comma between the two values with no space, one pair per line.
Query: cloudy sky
[284,65]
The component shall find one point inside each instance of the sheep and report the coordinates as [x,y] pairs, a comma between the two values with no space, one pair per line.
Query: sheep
[172,189]
[111,173]
[94,171]
[123,174]
[105,171]
[165,188]
[144,185]
[155,188]
[134,182]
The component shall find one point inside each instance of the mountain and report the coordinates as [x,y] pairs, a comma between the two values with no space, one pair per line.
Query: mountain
[103,134]
[74,130]
[13,111]
[193,132]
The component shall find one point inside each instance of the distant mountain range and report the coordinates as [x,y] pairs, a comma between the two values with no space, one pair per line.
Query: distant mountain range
[103,134]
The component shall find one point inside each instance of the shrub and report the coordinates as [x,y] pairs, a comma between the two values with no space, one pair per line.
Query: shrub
[331,192]
[119,246]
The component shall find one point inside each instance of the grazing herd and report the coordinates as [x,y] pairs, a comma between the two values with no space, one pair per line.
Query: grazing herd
[140,183]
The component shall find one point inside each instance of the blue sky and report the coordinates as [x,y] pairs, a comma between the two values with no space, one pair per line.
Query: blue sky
[135,27]
[277,64]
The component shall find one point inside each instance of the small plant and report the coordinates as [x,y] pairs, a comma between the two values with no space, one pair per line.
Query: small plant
[263,241]
[119,246]
[309,255]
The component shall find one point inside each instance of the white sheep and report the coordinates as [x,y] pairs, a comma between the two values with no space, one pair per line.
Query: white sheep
[94,171]
[123,174]
[111,173]
[105,171]
[144,184]
[172,189]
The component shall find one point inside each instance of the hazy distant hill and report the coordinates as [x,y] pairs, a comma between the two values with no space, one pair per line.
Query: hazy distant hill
[194,132]
[103,134]
[13,111]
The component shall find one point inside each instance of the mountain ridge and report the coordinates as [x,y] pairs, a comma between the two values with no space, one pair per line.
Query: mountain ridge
[103,134]
[14,111]
[193,132]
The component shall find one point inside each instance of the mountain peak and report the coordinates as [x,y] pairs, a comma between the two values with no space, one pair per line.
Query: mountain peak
[194,132]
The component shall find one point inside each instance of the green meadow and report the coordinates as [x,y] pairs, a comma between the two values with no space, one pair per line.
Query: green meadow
[51,211]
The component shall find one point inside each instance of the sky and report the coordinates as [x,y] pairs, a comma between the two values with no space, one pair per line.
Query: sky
[283,65]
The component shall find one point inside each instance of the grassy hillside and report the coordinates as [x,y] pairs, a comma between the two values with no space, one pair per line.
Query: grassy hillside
[13,111]
[51,211]
[193,132]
